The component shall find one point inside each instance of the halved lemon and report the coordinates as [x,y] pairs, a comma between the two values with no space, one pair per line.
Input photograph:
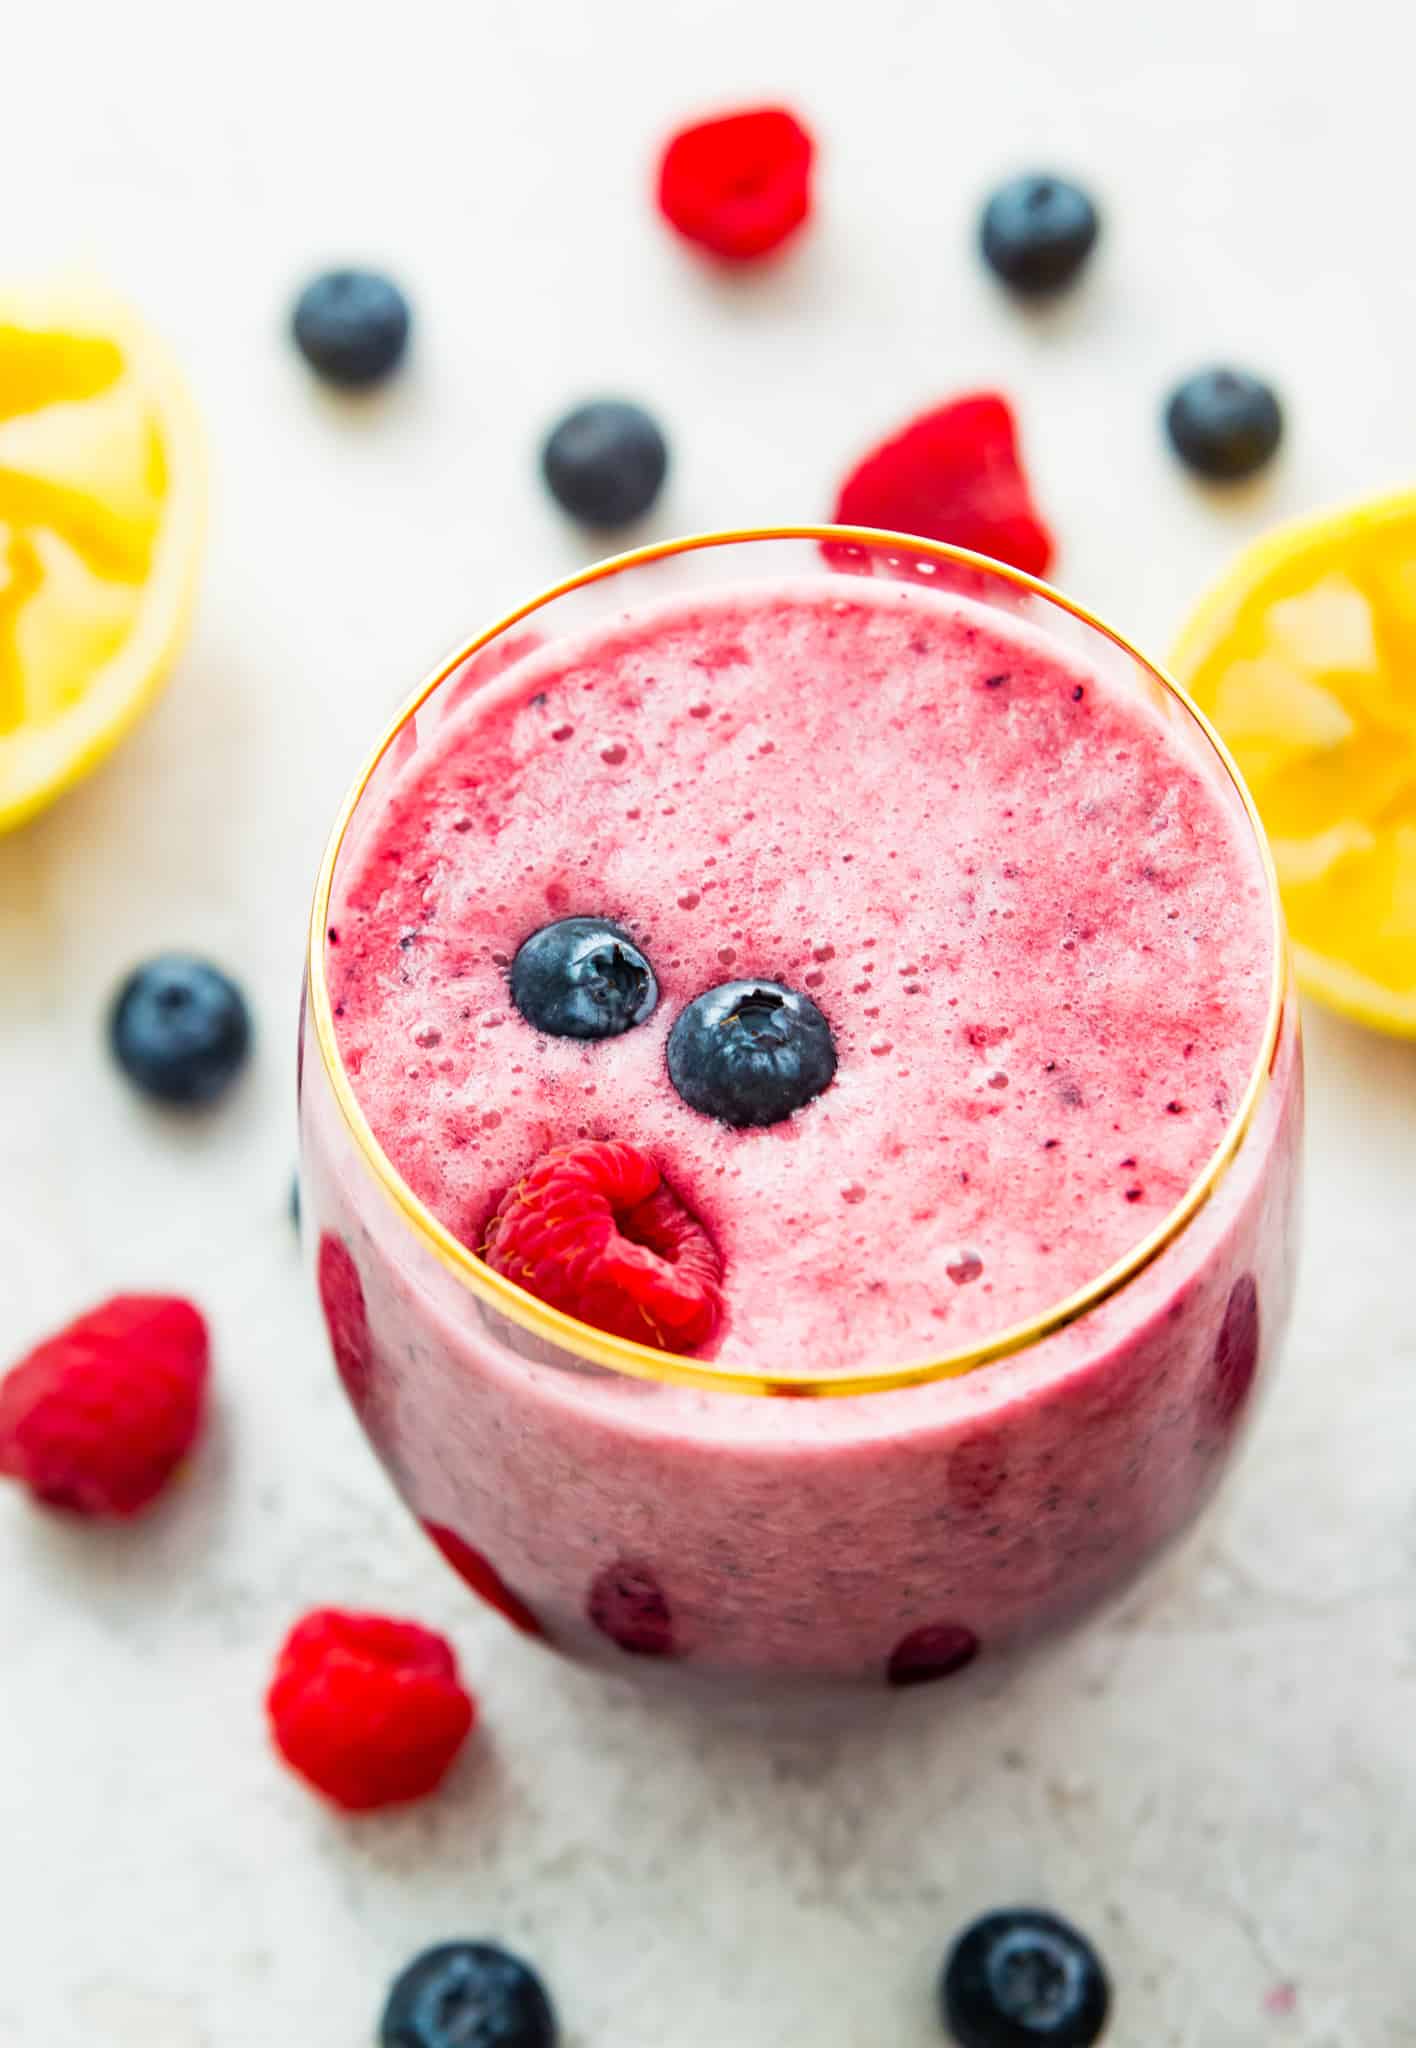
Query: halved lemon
[102,489]
[1304,655]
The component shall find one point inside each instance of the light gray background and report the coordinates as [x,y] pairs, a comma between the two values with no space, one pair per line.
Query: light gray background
[1219,1783]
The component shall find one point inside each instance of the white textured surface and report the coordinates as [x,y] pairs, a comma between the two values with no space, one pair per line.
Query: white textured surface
[1220,1783]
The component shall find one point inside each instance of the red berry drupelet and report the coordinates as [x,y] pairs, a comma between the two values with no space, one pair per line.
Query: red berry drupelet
[593,1230]
[369,1711]
[738,186]
[97,1419]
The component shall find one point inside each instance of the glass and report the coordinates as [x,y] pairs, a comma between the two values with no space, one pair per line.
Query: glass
[674,1519]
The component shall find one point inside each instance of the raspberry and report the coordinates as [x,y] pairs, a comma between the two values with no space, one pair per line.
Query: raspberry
[740,185]
[937,1651]
[593,1230]
[346,1318]
[953,475]
[483,1577]
[98,1418]
[371,1712]
[628,1605]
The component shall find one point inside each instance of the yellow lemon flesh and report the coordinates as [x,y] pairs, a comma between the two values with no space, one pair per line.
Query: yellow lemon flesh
[1304,655]
[101,496]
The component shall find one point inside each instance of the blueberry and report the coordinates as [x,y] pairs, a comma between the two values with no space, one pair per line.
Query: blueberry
[1020,1977]
[604,463]
[1224,424]
[351,326]
[467,1994]
[582,978]
[1037,232]
[179,1029]
[750,1052]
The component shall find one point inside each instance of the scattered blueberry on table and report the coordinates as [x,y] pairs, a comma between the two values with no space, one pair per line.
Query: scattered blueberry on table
[1037,232]
[352,326]
[605,462]
[180,1030]
[750,1052]
[468,1994]
[1224,424]
[582,977]
[1019,1978]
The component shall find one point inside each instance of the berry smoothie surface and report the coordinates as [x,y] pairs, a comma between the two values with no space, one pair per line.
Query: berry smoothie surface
[1038,929]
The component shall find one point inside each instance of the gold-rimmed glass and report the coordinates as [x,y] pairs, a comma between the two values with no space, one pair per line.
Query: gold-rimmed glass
[399,1286]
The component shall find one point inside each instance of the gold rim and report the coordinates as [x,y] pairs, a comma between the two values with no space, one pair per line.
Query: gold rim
[639,1361]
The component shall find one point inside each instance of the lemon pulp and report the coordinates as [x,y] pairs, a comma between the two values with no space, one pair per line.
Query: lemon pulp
[1304,655]
[100,534]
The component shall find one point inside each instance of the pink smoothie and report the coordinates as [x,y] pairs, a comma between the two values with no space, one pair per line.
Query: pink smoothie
[1038,925]
[1039,936]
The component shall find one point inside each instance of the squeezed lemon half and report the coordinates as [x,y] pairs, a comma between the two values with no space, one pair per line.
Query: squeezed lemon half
[101,511]
[1304,655]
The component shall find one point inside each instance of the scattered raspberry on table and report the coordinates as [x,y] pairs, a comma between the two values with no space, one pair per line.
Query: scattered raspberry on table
[953,475]
[369,1711]
[97,1418]
[738,186]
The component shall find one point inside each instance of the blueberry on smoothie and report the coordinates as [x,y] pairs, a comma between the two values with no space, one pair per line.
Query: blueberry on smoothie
[351,326]
[1020,1977]
[468,1994]
[1037,233]
[582,977]
[750,1052]
[180,1030]
[1224,424]
[605,462]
